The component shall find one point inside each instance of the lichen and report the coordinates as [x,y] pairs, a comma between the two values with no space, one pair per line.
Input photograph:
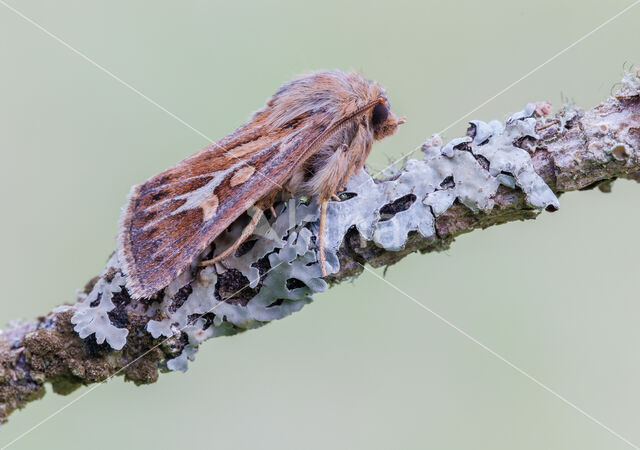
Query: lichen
[277,273]
[455,171]
[91,312]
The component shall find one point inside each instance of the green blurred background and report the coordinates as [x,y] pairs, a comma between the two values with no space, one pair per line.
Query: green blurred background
[361,367]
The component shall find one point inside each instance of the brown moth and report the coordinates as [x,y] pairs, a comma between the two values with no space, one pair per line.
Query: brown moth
[312,135]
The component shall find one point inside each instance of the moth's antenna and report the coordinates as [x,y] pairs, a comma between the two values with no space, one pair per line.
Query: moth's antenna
[318,141]
[362,109]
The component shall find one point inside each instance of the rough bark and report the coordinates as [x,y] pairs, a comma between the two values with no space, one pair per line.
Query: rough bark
[575,150]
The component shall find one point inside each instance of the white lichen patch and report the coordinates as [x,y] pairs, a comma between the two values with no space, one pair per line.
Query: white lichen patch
[200,301]
[447,172]
[91,312]
[469,169]
[290,215]
[275,299]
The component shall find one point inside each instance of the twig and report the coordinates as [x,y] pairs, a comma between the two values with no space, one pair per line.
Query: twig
[497,174]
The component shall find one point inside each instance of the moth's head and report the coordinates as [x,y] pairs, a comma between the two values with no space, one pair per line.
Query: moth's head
[383,121]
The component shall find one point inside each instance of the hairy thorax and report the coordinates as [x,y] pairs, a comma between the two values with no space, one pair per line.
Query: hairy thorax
[327,171]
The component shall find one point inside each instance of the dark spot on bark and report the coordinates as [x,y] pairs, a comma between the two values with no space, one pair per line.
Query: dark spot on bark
[96,302]
[208,319]
[391,209]
[233,288]
[353,243]
[154,298]
[525,142]
[276,303]
[181,296]
[184,339]
[94,349]
[263,265]
[448,183]
[245,247]
[484,162]
[570,123]
[192,318]
[121,299]
[463,146]
[118,315]
[347,195]
[294,283]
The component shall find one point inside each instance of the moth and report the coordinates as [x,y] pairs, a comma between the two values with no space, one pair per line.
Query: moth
[311,136]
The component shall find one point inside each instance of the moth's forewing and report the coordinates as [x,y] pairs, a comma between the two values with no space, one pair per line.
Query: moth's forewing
[172,217]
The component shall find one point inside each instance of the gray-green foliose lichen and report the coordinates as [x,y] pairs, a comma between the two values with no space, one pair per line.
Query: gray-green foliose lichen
[281,270]
[91,312]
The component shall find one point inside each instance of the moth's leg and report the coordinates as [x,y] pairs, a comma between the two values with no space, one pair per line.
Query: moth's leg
[273,212]
[323,220]
[248,230]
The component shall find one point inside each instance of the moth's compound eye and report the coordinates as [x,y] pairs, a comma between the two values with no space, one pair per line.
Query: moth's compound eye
[379,114]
